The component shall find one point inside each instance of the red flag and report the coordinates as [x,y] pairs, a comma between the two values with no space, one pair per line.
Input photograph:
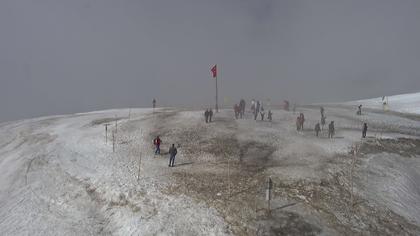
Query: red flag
[214,71]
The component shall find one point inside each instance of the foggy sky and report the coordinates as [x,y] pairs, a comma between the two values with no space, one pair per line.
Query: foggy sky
[66,56]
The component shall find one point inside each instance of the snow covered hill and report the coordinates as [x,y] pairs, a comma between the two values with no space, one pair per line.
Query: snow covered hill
[60,175]
[408,103]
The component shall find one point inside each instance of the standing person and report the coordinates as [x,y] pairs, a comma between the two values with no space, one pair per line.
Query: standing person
[157,143]
[298,123]
[172,154]
[365,127]
[242,108]
[359,110]
[154,103]
[317,129]
[323,122]
[270,115]
[236,110]
[302,120]
[257,110]
[206,115]
[331,130]
[322,111]
[210,115]
[262,112]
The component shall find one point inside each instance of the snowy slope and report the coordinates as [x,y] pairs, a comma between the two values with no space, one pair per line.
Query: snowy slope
[406,103]
[60,177]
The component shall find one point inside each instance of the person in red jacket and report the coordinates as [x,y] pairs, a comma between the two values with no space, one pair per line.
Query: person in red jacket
[157,142]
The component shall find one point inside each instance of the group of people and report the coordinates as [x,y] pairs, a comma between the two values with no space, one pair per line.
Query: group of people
[257,109]
[299,122]
[208,115]
[239,109]
[331,126]
[172,151]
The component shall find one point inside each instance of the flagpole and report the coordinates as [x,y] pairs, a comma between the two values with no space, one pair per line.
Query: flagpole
[217,104]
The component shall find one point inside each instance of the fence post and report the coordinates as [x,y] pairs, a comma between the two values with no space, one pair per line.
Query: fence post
[268,194]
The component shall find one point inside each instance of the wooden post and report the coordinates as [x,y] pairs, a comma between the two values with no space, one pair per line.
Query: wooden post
[106,133]
[268,195]
[138,175]
[228,177]
[113,141]
[116,125]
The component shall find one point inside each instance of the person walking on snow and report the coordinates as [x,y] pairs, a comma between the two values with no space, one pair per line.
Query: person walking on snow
[262,112]
[270,115]
[359,110]
[172,154]
[154,103]
[210,115]
[206,115]
[298,123]
[236,110]
[302,120]
[331,130]
[257,110]
[365,127]
[323,122]
[242,108]
[317,129]
[157,143]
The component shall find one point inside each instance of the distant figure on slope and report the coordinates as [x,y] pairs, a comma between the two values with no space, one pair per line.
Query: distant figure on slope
[323,122]
[257,110]
[262,112]
[236,110]
[210,115]
[364,131]
[157,143]
[172,154]
[286,105]
[242,108]
[253,106]
[322,111]
[206,115]
[302,120]
[154,103]
[359,110]
[270,115]
[331,130]
[298,123]
[317,129]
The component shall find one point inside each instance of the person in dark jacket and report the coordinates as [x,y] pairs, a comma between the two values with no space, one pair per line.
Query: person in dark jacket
[242,108]
[172,154]
[270,115]
[317,129]
[359,110]
[257,110]
[262,113]
[365,127]
[206,115]
[157,143]
[210,115]
[331,130]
